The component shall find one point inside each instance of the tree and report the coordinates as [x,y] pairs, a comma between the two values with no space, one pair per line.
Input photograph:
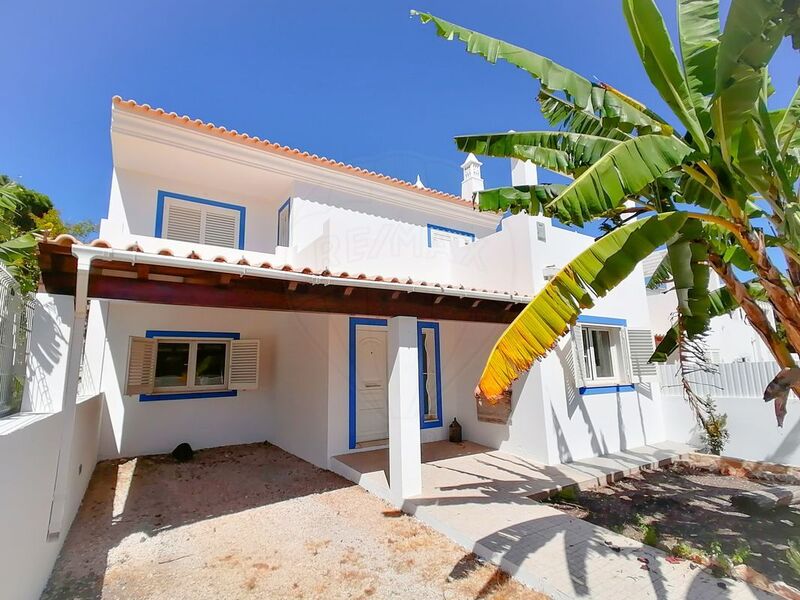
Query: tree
[23,213]
[30,203]
[719,188]
[17,247]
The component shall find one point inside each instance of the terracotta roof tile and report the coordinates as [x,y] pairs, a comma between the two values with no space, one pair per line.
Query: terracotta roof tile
[243,138]
[68,241]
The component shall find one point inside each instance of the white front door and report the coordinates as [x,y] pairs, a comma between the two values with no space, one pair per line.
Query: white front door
[372,399]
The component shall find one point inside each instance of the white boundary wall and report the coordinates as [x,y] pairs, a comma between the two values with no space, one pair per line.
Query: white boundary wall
[29,445]
[737,389]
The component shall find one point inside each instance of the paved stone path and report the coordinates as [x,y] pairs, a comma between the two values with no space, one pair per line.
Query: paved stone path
[480,498]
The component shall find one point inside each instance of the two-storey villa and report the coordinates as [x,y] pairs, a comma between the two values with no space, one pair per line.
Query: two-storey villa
[241,291]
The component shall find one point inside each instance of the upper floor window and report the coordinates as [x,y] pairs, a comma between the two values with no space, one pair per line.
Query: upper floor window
[284,212]
[444,237]
[189,219]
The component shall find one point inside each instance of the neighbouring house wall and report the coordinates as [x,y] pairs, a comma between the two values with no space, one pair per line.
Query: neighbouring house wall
[737,391]
[46,368]
[754,433]
[29,445]
[287,409]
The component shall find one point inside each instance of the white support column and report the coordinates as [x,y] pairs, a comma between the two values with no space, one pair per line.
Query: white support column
[405,456]
[70,396]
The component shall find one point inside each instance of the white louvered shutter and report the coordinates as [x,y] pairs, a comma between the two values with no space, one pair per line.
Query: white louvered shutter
[200,223]
[244,364]
[221,228]
[141,366]
[184,221]
[577,356]
[626,375]
[642,346]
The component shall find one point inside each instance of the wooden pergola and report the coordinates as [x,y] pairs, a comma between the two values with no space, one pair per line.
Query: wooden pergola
[159,279]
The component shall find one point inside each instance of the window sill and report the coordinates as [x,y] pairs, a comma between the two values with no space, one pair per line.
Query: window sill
[188,395]
[606,389]
[431,424]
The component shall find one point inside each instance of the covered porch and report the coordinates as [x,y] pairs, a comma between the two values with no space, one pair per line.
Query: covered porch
[148,293]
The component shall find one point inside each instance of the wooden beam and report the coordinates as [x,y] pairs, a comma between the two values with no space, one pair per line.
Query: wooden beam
[142,271]
[292,286]
[348,291]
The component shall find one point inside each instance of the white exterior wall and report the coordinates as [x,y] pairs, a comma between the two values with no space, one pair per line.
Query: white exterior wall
[46,368]
[288,409]
[29,445]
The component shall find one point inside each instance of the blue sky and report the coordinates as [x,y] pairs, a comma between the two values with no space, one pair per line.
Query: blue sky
[356,81]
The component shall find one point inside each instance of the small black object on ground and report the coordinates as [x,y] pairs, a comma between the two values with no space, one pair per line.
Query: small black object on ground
[183,452]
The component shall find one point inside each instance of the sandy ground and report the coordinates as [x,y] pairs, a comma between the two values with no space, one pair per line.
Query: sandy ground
[693,507]
[255,522]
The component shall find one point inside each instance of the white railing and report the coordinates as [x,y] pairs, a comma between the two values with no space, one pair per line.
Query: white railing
[16,311]
[731,380]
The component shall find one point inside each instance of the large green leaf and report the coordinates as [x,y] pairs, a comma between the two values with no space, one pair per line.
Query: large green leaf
[584,93]
[569,117]
[720,302]
[662,274]
[788,128]
[529,198]
[623,171]
[698,22]
[688,258]
[655,49]
[559,151]
[593,273]
[753,31]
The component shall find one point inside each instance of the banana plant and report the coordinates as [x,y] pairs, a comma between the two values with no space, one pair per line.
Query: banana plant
[718,186]
[17,248]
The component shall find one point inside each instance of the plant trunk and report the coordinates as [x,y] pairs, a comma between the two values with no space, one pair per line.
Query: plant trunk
[759,322]
[786,306]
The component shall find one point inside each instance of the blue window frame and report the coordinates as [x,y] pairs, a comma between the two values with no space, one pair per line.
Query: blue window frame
[425,401]
[220,335]
[421,326]
[162,195]
[603,389]
[284,214]
[432,227]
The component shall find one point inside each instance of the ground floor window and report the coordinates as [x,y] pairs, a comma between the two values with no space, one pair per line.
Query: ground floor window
[166,365]
[190,365]
[601,355]
[430,385]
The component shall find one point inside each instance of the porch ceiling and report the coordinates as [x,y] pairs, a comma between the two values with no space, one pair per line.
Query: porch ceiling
[212,284]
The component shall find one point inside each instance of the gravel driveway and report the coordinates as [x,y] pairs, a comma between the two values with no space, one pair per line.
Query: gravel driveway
[255,522]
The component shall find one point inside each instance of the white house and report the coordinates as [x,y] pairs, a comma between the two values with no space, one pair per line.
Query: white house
[730,338]
[242,291]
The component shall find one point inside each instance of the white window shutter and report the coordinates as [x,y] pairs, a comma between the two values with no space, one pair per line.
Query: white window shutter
[184,222]
[221,228]
[141,366]
[642,346]
[577,356]
[244,364]
[626,374]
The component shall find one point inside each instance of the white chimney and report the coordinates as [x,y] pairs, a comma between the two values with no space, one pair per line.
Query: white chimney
[523,172]
[472,177]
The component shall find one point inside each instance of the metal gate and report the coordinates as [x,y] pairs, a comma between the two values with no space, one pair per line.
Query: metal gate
[16,312]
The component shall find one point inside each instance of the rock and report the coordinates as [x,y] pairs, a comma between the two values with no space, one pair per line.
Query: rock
[183,452]
[766,499]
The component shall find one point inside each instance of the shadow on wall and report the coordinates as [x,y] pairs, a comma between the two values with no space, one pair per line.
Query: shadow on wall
[47,346]
[601,438]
